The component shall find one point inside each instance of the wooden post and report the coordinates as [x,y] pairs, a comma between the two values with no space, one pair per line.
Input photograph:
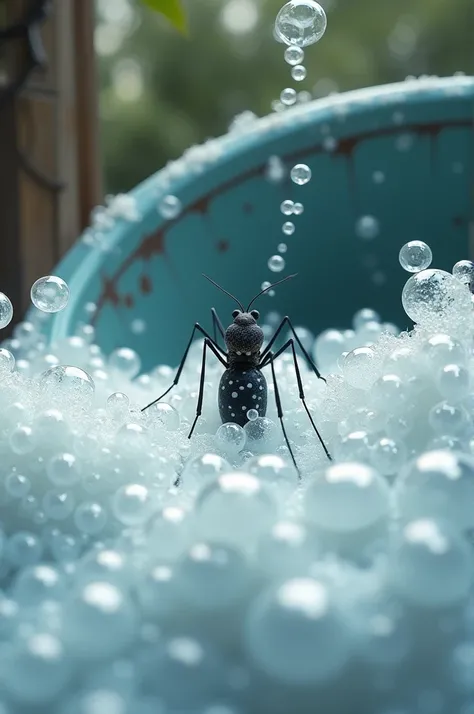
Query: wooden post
[49,177]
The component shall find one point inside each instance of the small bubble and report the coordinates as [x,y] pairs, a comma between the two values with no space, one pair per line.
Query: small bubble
[287,207]
[378,177]
[50,294]
[367,227]
[252,414]
[294,55]
[288,228]
[282,247]
[300,174]
[276,263]
[464,271]
[169,207]
[288,96]
[298,73]
[298,209]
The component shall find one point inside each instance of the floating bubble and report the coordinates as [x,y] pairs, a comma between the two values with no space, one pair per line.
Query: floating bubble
[50,294]
[367,228]
[262,434]
[288,96]
[6,311]
[287,207]
[300,174]
[288,228]
[415,256]
[125,362]
[132,505]
[294,55]
[464,271]
[298,73]
[231,438]
[298,208]
[7,361]
[360,367]
[282,248]
[300,23]
[276,263]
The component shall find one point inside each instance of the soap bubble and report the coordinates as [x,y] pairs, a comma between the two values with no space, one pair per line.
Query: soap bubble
[288,96]
[348,497]
[63,470]
[262,434]
[298,73]
[6,311]
[67,383]
[125,362]
[22,439]
[58,505]
[415,256]
[23,548]
[431,564]
[464,271]
[298,208]
[132,504]
[448,419]
[287,207]
[7,361]
[438,484]
[388,455]
[282,247]
[204,469]
[294,55]
[163,415]
[50,294]
[441,350]
[360,367]
[273,470]
[362,317]
[117,405]
[367,227]
[252,414]
[99,621]
[276,263]
[37,583]
[288,228]
[328,347]
[231,438]
[169,207]
[300,23]
[234,499]
[90,518]
[293,634]
[300,174]
[435,295]
[453,382]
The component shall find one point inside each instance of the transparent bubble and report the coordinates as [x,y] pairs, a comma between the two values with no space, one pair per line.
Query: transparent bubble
[390,389]
[298,73]
[388,455]
[23,440]
[90,518]
[294,55]
[300,174]
[431,564]
[362,317]
[169,207]
[132,505]
[448,419]
[435,295]
[287,207]
[68,383]
[442,350]
[273,469]
[117,405]
[378,177]
[354,447]
[252,414]
[300,23]
[288,96]
[17,485]
[99,621]
[298,208]
[262,435]
[63,470]
[415,256]
[464,271]
[288,228]
[230,438]
[58,505]
[288,626]
[7,361]
[276,263]
[37,670]
[37,583]
[23,548]
[282,247]
[328,347]
[170,532]
[367,227]
[164,416]
[204,469]
[235,498]
[125,362]
[360,367]
[50,294]
[212,576]
[453,382]
[347,498]
[438,484]
[6,311]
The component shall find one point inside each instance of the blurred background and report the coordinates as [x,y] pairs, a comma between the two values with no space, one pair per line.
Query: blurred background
[161,92]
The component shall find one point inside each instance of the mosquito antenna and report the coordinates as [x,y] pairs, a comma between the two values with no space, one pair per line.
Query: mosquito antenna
[288,277]
[226,292]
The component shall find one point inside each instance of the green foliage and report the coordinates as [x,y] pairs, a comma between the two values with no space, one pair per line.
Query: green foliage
[194,86]
[172,10]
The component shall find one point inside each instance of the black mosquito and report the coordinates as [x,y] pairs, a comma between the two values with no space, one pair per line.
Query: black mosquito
[243,386]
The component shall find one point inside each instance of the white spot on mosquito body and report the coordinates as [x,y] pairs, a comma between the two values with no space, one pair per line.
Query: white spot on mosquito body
[250,386]
[240,388]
